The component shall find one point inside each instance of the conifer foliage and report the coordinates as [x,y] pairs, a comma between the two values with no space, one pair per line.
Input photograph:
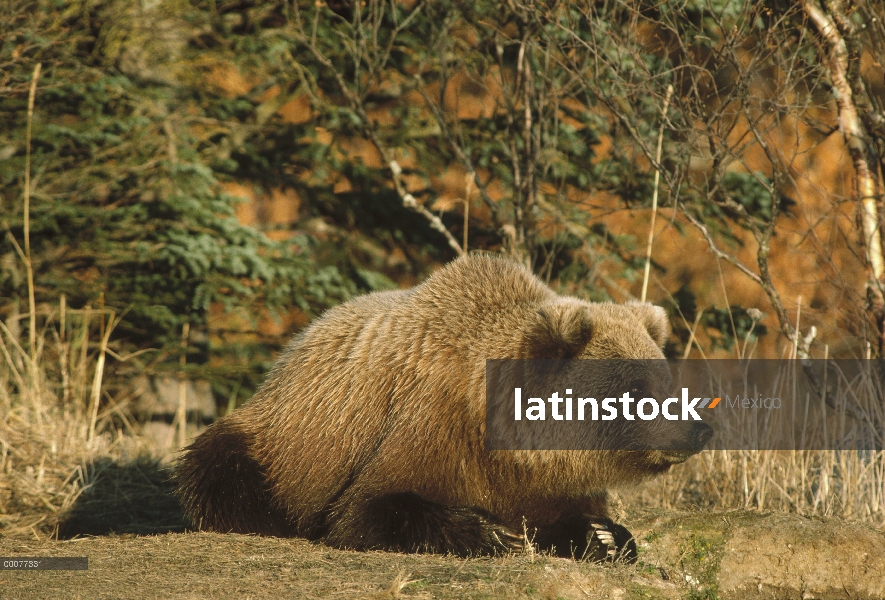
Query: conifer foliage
[127,209]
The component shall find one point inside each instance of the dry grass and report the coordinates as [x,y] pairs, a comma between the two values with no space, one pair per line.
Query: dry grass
[828,483]
[47,456]
[848,484]
[209,565]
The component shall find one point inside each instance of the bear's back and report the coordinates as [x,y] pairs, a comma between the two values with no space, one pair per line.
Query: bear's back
[472,305]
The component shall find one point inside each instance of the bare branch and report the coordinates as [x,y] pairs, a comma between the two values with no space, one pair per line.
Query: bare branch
[711,243]
[409,201]
[370,131]
[459,152]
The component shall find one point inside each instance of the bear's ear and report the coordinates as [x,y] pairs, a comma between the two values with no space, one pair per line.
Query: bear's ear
[559,331]
[655,320]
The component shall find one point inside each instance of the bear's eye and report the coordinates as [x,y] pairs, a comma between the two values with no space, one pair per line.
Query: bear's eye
[637,389]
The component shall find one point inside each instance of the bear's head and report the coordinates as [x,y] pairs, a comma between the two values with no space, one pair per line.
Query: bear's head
[572,328]
[619,347]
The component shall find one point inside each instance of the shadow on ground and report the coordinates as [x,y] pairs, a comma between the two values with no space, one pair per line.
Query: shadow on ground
[129,497]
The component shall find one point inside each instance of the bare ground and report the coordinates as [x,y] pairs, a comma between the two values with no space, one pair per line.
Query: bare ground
[133,531]
[734,554]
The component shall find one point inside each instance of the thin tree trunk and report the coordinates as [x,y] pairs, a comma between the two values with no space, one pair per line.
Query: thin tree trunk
[858,143]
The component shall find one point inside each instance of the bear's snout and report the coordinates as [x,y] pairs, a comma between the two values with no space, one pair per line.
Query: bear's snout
[699,435]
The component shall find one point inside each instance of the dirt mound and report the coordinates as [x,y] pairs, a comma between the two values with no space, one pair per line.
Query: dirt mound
[747,554]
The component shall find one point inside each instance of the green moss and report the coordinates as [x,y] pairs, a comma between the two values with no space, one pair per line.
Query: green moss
[701,557]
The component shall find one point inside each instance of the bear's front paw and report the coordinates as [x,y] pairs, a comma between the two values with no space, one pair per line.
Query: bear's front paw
[474,531]
[608,542]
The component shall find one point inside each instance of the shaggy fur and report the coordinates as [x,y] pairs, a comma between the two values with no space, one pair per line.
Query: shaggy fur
[369,431]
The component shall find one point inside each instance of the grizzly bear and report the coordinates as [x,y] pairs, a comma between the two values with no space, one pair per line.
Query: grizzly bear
[369,432]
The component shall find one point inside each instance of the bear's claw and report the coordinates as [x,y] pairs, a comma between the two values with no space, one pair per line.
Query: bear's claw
[610,542]
[509,541]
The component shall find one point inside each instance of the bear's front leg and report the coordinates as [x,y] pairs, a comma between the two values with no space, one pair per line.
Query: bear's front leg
[583,537]
[406,522]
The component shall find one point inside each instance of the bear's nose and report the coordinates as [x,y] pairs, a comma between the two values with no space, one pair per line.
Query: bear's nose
[699,435]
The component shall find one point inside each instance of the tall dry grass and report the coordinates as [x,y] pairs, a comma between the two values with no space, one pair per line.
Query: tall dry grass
[848,484]
[56,417]
[843,483]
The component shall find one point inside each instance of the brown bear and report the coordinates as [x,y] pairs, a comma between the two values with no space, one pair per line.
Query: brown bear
[369,432]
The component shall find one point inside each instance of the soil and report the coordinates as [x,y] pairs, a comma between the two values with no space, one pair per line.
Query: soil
[734,554]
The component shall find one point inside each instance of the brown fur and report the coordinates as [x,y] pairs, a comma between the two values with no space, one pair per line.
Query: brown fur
[369,431]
